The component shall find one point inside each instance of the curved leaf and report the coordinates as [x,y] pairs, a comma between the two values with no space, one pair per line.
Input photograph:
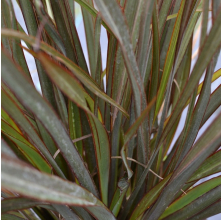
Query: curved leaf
[31,99]
[210,166]
[32,154]
[191,195]
[149,199]
[198,205]
[102,150]
[15,112]
[11,217]
[212,210]
[32,25]
[112,14]
[20,178]
[214,103]
[210,46]
[207,144]
[64,80]
[18,203]
[76,70]
[169,60]
[129,134]
[65,212]
[69,86]
[119,194]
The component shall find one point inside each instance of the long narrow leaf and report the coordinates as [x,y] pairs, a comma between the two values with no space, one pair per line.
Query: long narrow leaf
[31,183]
[210,166]
[111,12]
[40,108]
[79,73]
[191,195]
[29,151]
[15,112]
[208,50]
[169,60]
[69,85]
[18,203]
[212,210]
[206,145]
[148,199]
[198,205]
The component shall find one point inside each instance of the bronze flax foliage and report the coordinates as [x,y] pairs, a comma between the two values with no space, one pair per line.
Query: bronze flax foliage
[127,137]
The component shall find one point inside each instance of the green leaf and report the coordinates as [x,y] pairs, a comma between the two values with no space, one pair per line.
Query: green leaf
[204,22]
[75,126]
[31,22]
[18,203]
[102,150]
[30,98]
[155,61]
[89,34]
[198,205]
[185,40]
[49,26]
[119,194]
[129,134]
[191,195]
[115,151]
[62,108]
[26,181]
[209,211]
[164,10]
[215,76]
[141,32]
[6,23]
[17,52]
[75,38]
[11,217]
[78,72]
[15,112]
[206,145]
[198,113]
[65,212]
[62,26]
[210,166]
[123,153]
[214,103]
[32,154]
[169,60]
[133,128]
[167,32]
[149,199]
[69,85]
[113,16]
[81,212]
[92,11]
[210,46]
[64,80]
[9,120]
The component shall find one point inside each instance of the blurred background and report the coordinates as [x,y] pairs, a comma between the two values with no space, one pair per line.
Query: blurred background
[104,42]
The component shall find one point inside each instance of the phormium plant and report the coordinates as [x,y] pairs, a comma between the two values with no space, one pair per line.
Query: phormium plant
[97,143]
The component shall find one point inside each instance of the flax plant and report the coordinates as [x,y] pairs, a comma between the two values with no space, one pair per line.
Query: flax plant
[100,141]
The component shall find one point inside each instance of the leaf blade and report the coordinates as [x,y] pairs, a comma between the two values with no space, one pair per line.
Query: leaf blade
[78,72]
[32,100]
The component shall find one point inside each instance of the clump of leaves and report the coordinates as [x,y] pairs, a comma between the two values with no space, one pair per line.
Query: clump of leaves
[96,144]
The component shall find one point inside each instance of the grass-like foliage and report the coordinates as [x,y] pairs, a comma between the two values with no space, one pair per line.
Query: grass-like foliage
[98,142]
